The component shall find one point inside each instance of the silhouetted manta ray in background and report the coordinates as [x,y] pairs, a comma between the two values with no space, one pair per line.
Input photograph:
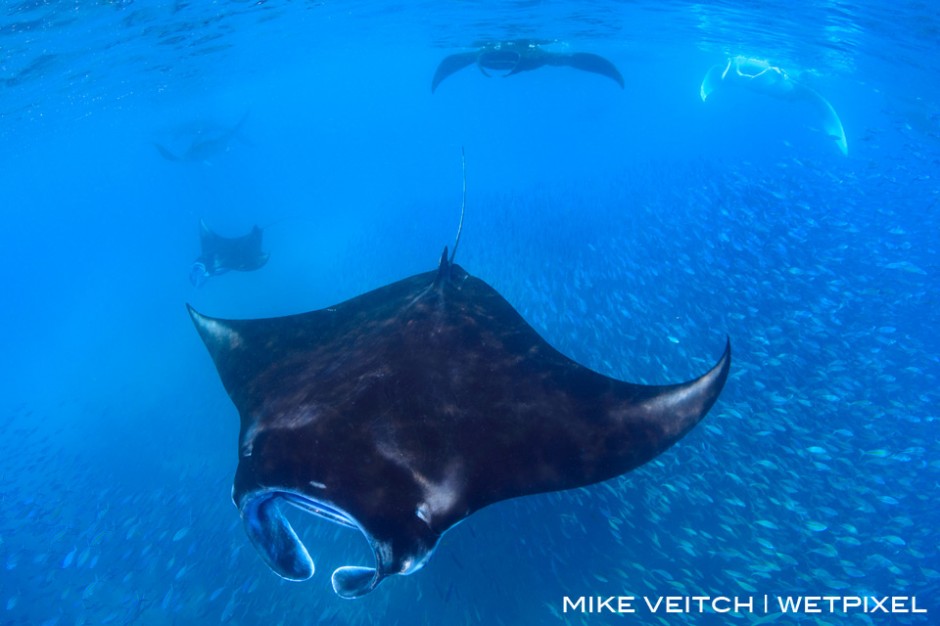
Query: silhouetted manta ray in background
[760,76]
[221,254]
[204,145]
[34,68]
[512,57]
[404,410]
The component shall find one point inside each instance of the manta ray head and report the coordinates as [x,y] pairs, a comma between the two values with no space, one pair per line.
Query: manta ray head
[198,274]
[761,76]
[401,545]
[499,60]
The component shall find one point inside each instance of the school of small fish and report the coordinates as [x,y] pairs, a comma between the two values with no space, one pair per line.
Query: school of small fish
[816,473]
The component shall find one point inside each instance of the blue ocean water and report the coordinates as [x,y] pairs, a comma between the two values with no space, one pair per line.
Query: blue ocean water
[634,228]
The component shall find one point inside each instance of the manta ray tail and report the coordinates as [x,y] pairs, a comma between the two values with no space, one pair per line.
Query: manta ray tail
[443,269]
[463,204]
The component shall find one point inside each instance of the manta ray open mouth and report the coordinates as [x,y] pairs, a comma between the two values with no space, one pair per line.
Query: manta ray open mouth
[284,552]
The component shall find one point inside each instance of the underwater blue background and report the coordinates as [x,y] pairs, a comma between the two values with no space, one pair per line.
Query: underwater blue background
[634,228]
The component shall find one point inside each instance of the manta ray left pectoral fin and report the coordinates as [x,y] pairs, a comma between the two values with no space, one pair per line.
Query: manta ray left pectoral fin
[352,582]
[713,78]
[450,65]
[216,334]
[594,63]
[664,414]
[223,339]
[275,540]
[165,153]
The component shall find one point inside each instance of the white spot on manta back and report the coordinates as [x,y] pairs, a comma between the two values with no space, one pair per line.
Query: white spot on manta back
[221,333]
[439,497]
[272,418]
[317,485]
[423,513]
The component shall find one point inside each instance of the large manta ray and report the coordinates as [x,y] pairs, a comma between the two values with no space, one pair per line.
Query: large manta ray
[404,410]
[760,76]
[512,57]
[221,254]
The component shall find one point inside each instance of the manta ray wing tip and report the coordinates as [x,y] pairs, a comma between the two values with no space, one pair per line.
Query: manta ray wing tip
[198,318]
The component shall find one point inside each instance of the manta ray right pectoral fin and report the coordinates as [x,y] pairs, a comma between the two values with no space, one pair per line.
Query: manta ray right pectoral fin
[352,582]
[597,64]
[276,541]
[831,124]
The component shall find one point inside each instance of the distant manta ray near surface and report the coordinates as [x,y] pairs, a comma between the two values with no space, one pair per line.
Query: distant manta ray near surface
[760,76]
[221,254]
[512,57]
[202,143]
[406,409]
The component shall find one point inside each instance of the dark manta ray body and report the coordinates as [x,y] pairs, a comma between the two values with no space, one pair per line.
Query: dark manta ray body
[221,254]
[402,411]
[513,57]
